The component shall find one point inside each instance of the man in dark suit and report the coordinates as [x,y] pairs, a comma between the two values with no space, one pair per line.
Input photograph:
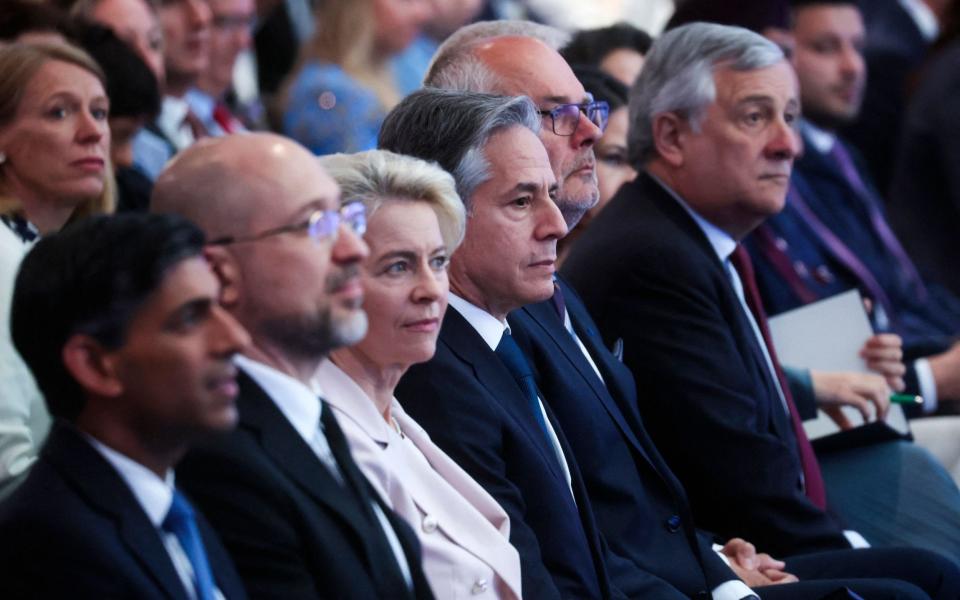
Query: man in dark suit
[833,236]
[470,397]
[282,490]
[656,271]
[135,367]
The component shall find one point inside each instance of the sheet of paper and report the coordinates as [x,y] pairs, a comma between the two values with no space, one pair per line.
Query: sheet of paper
[827,336]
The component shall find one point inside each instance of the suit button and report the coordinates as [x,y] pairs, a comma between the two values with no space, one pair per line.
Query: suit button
[429,524]
[479,587]
[673,524]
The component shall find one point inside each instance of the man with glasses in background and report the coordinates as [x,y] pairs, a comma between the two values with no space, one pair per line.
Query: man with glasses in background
[296,514]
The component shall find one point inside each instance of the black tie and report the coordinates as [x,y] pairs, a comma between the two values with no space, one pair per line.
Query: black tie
[512,357]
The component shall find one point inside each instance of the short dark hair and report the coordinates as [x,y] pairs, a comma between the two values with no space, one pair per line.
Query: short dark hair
[591,46]
[451,128]
[131,85]
[28,16]
[91,278]
[602,86]
[755,15]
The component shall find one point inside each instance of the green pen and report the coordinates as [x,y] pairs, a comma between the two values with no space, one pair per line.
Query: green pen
[906,399]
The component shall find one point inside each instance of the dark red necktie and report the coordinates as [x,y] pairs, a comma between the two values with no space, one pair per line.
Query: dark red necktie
[813,480]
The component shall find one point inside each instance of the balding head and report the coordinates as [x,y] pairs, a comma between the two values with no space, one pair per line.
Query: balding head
[263,199]
[226,185]
[526,65]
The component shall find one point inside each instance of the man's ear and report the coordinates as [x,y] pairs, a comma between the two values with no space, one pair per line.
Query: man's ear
[227,272]
[669,136]
[93,366]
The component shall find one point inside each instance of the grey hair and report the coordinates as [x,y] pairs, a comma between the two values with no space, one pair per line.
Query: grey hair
[677,77]
[454,66]
[451,128]
[378,176]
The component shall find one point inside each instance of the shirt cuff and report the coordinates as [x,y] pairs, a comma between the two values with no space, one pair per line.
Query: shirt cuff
[927,385]
[855,539]
[732,590]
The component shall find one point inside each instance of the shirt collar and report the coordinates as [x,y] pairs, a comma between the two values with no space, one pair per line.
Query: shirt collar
[722,242]
[154,494]
[821,139]
[348,397]
[173,111]
[924,18]
[299,404]
[201,103]
[489,327]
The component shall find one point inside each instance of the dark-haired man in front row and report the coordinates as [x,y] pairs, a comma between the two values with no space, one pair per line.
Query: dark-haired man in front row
[133,355]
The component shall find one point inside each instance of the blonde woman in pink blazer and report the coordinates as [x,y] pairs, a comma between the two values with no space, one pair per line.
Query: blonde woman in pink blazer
[415,221]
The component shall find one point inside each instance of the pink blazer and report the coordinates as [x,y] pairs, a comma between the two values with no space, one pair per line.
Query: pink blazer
[464,533]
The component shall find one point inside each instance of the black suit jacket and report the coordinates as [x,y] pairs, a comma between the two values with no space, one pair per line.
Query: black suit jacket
[292,529]
[641,508]
[475,411]
[75,530]
[647,273]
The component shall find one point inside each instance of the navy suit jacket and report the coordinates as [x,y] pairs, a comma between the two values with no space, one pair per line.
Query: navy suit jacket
[926,325]
[641,508]
[648,274]
[475,411]
[74,529]
[292,529]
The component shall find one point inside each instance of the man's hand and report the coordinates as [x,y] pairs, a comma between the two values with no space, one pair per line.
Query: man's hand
[946,373]
[859,390]
[755,569]
[883,354]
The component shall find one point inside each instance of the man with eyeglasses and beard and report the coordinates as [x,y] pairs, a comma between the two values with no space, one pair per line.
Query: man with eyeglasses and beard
[298,517]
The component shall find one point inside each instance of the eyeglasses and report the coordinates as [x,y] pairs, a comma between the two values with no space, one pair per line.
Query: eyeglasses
[564,118]
[320,225]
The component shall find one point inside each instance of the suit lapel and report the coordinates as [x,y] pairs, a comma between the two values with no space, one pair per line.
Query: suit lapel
[106,492]
[756,362]
[291,454]
[464,341]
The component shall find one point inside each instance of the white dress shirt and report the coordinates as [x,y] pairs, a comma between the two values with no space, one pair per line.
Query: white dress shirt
[302,408]
[923,17]
[171,122]
[491,330]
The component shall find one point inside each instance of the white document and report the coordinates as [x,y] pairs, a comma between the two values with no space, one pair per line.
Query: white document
[827,336]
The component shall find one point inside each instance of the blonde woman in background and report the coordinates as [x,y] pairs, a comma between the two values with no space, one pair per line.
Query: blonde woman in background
[344,85]
[54,168]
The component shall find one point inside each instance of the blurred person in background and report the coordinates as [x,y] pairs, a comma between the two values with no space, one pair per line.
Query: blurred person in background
[343,88]
[133,21]
[613,168]
[617,50]
[230,34]
[31,21]
[134,101]
[54,167]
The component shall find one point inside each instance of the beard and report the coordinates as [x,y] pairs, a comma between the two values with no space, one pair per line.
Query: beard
[315,336]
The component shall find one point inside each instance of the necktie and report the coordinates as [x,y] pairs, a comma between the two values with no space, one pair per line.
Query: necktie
[21,227]
[813,480]
[908,271]
[180,521]
[225,118]
[840,250]
[558,303]
[512,357]
[196,126]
